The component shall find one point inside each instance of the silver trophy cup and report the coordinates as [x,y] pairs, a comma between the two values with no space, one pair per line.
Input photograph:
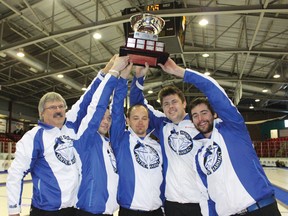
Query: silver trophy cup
[144,46]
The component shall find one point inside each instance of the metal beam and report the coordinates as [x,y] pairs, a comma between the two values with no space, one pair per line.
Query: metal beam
[200,11]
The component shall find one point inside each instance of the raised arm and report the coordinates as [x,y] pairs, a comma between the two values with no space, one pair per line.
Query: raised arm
[217,97]
[118,125]
[136,90]
[100,100]
[79,110]
[137,97]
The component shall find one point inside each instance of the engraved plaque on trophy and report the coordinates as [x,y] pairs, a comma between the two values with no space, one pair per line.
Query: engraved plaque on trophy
[144,46]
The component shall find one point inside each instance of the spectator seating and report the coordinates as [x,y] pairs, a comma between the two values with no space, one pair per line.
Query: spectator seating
[5,141]
[275,147]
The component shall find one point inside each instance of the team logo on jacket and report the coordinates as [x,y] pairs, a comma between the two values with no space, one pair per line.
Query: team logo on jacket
[64,150]
[146,156]
[212,158]
[180,142]
[112,158]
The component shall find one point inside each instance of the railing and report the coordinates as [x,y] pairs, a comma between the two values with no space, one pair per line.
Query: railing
[7,150]
[272,148]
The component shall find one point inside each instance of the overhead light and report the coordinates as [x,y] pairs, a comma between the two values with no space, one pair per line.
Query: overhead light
[207,73]
[251,106]
[60,76]
[150,91]
[203,22]
[84,88]
[265,90]
[3,55]
[33,69]
[205,55]
[158,100]
[20,53]
[257,100]
[68,87]
[97,36]
[276,75]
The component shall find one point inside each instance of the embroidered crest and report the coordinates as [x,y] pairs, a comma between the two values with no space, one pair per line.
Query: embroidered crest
[180,142]
[146,156]
[63,149]
[212,158]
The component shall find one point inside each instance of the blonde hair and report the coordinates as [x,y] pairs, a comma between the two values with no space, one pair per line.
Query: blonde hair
[49,97]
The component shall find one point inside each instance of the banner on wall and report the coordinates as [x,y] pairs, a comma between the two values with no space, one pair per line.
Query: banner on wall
[17,127]
[3,123]
[266,120]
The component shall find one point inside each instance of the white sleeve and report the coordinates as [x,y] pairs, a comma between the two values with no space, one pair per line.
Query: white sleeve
[18,170]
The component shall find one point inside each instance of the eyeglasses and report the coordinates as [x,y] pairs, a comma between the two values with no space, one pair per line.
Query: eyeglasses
[54,108]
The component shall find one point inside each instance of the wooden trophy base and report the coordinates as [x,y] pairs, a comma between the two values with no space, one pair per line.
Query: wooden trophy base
[140,56]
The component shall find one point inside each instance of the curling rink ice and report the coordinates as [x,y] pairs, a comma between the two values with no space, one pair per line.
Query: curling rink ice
[277,176]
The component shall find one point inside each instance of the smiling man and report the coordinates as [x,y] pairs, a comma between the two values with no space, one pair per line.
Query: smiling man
[227,165]
[175,131]
[47,152]
[139,158]
[203,116]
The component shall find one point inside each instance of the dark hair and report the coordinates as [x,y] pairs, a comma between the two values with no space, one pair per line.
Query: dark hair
[136,105]
[170,90]
[200,100]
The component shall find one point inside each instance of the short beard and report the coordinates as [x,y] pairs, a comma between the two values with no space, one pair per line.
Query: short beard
[208,130]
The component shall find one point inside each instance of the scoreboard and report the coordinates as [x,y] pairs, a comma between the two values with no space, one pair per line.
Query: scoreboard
[173,33]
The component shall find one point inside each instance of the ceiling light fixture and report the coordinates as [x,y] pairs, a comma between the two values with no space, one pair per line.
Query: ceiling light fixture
[150,91]
[20,53]
[207,73]
[205,55]
[84,88]
[257,100]
[68,87]
[60,76]
[251,106]
[265,90]
[2,54]
[33,69]
[203,22]
[276,76]
[97,36]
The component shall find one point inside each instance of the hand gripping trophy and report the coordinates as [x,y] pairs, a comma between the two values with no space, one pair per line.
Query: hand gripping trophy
[145,47]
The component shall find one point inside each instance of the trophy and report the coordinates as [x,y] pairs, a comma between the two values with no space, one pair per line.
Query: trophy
[144,46]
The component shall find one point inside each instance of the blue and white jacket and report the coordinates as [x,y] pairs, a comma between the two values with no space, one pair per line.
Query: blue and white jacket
[139,161]
[48,153]
[227,164]
[179,150]
[99,178]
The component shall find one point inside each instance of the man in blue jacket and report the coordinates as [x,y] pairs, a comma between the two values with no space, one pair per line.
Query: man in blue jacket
[227,165]
[47,152]
[139,158]
[175,131]
[98,188]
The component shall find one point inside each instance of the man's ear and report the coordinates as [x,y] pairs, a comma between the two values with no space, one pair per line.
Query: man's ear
[127,120]
[215,116]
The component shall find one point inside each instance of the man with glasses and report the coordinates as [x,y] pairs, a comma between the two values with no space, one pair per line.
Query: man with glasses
[47,152]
